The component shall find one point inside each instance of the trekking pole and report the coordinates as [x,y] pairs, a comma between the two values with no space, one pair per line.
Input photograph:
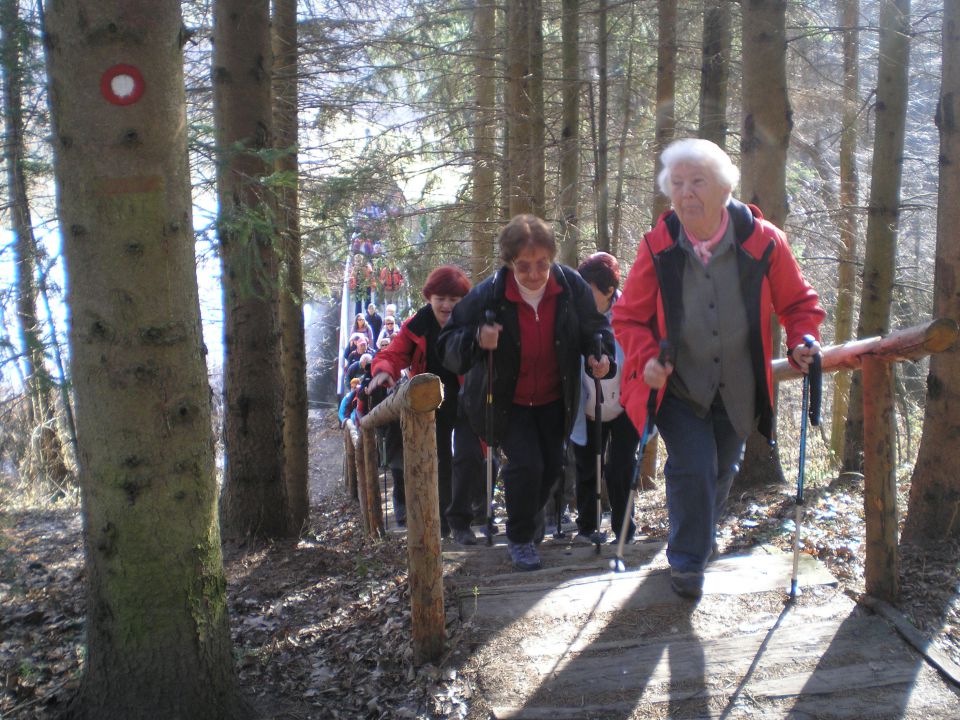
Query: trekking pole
[598,537]
[809,405]
[490,319]
[617,564]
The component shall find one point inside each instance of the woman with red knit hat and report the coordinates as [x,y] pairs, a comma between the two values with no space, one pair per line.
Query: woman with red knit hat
[415,347]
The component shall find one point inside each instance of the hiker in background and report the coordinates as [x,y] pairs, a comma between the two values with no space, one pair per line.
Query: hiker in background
[619,437]
[707,279]
[415,347]
[547,318]
[374,321]
[360,326]
[389,328]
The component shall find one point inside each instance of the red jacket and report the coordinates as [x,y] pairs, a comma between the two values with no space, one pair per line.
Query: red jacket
[539,379]
[651,308]
[406,350]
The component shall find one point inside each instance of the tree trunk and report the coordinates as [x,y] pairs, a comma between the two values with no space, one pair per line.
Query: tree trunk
[524,96]
[292,337]
[615,241]
[255,499]
[569,195]
[39,386]
[601,194]
[934,510]
[715,71]
[483,230]
[763,156]
[849,200]
[666,89]
[158,644]
[884,210]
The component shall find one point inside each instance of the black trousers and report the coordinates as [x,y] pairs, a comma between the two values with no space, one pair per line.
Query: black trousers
[533,446]
[468,484]
[619,446]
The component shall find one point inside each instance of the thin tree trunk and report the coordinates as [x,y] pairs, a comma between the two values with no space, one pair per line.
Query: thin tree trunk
[880,255]
[524,97]
[666,90]
[763,156]
[601,193]
[934,511]
[617,238]
[39,386]
[255,499]
[292,335]
[569,200]
[849,200]
[157,639]
[483,229]
[715,71]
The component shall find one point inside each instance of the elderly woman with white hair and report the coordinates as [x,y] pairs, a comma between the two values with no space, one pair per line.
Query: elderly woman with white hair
[707,279]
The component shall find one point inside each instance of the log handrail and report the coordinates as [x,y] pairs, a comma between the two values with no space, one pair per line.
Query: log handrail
[413,404]
[910,343]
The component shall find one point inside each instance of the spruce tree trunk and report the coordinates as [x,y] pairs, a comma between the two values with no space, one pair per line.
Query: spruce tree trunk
[715,71]
[763,157]
[158,644]
[880,253]
[483,229]
[254,499]
[627,118]
[849,227]
[524,98]
[15,44]
[934,511]
[293,345]
[601,193]
[569,194]
[666,89]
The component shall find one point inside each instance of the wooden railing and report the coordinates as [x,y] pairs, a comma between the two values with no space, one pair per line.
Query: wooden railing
[413,404]
[875,356]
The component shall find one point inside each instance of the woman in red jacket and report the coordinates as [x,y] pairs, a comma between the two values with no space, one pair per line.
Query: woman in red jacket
[707,279]
[415,347]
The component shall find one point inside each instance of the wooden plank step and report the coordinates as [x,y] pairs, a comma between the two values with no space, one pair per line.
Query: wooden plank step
[609,591]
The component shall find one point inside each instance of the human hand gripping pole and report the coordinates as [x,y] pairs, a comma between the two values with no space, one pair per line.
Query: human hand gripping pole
[617,564]
[489,319]
[809,407]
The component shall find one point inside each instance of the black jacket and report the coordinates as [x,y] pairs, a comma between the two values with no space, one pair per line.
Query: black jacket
[577,323]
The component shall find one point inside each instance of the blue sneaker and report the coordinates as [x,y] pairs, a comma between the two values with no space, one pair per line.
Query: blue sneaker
[524,556]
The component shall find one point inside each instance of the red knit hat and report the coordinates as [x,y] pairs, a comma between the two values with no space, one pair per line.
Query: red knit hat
[447,280]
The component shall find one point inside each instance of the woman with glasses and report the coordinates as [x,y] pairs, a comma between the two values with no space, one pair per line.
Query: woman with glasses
[542,321]
[389,329]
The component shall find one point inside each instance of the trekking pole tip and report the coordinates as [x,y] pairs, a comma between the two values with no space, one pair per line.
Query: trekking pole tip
[617,565]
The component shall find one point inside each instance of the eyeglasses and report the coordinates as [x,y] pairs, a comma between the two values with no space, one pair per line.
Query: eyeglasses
[389,322]
[524,267]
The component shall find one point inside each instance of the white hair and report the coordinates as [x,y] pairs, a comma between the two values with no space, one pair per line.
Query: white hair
[704,153]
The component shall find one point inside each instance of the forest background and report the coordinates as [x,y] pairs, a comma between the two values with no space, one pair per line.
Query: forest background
[450,117]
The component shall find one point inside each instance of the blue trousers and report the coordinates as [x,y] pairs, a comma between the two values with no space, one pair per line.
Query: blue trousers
[533,445]
[703,458]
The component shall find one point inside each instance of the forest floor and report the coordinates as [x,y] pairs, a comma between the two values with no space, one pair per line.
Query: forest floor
[321,625]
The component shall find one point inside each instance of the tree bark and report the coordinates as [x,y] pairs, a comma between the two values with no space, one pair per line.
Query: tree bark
[292,335]
[49,461]
[569,200]
[158,643]
[715,71]
[934,509]
[765,139]
[600,190]
[524,97]
[849,227]
[617,221]
[483,229]
[666,89]
[255,499]
[880,255]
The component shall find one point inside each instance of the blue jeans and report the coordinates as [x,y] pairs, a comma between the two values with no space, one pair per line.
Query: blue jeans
[533,445]
[703,458]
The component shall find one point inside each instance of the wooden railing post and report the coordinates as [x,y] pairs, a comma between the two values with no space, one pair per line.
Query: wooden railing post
[368,442]
[414,404]
[361,475]
[880,480]
[350,466]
